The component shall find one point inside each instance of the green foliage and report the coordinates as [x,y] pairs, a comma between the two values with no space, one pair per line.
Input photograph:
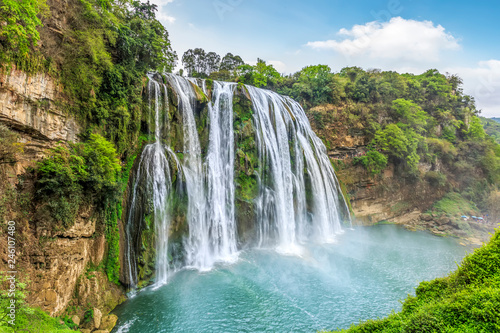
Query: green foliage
[247,187]
[412,119]
[373,161]
[231,62]
[19,34]
[443,149]
[107,49]
[491,127]
[436,178]
[88,315]
[18,296]
[400,144]
[465,301]
[59,184]
[410,114]
[102,163]
[453,204]
[315,85]
[260,75]
[393,141]
[86,172]
[26,318]
[475,130]
[198,63]
[69,322]
[9,146]
[69,175]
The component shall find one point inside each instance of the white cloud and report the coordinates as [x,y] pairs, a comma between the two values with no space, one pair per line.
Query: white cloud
[164,18]
[482,82]
[161,14]
[278,65]
[399,39]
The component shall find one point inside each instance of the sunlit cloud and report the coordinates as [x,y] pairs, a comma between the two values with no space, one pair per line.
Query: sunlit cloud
[398,39]
[278,65]
[482,82]
[161,14]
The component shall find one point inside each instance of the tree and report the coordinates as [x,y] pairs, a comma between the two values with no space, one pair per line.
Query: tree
[475,130]
[351,72]
[189,62]
[195,62]
[198,63]
[410,114]
[314,85]
[212,63]
[392,140]
[230,62]
[493,204]
[260,75]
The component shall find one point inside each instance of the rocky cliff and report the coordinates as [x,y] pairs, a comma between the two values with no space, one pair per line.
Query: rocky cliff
[390,196]
[58,265]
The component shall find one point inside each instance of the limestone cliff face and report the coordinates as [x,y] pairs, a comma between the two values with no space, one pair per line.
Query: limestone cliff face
[33,104]
[388,197]
[54,263]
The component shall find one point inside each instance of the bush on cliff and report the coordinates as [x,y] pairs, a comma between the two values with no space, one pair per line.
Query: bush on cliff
[81,172]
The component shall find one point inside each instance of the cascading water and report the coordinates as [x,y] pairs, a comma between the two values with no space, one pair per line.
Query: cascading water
[220,173]
[209,185]
[285,139]
[298,194]
[151,191]
[197,244]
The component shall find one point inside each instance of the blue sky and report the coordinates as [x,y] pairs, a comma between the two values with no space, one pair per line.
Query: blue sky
[459,37]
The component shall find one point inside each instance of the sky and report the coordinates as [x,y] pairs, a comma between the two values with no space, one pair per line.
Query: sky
[408,36]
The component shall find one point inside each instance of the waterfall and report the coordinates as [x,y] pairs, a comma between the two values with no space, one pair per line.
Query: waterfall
[220,173]
[298,197]
[151,190]
[209,185]
[284,140]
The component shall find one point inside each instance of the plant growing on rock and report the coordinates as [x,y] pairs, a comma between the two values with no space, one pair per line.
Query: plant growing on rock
[76,173]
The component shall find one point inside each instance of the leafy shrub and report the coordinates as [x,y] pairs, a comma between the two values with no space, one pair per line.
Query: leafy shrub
[19,28]
[70,175]
[436,178]
[393,141]
[88,316]
[373,161]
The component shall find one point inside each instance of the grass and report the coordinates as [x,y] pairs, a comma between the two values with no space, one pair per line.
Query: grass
[453,204]
[35,321]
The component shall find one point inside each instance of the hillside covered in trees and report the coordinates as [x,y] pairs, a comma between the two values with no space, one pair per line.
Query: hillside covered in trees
[423,124]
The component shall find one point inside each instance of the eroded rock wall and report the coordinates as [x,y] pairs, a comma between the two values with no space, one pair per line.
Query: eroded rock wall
[54,263]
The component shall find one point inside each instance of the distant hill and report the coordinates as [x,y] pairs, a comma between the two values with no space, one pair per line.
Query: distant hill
[492,127]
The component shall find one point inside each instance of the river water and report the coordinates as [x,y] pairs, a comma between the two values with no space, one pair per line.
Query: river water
[362,275]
